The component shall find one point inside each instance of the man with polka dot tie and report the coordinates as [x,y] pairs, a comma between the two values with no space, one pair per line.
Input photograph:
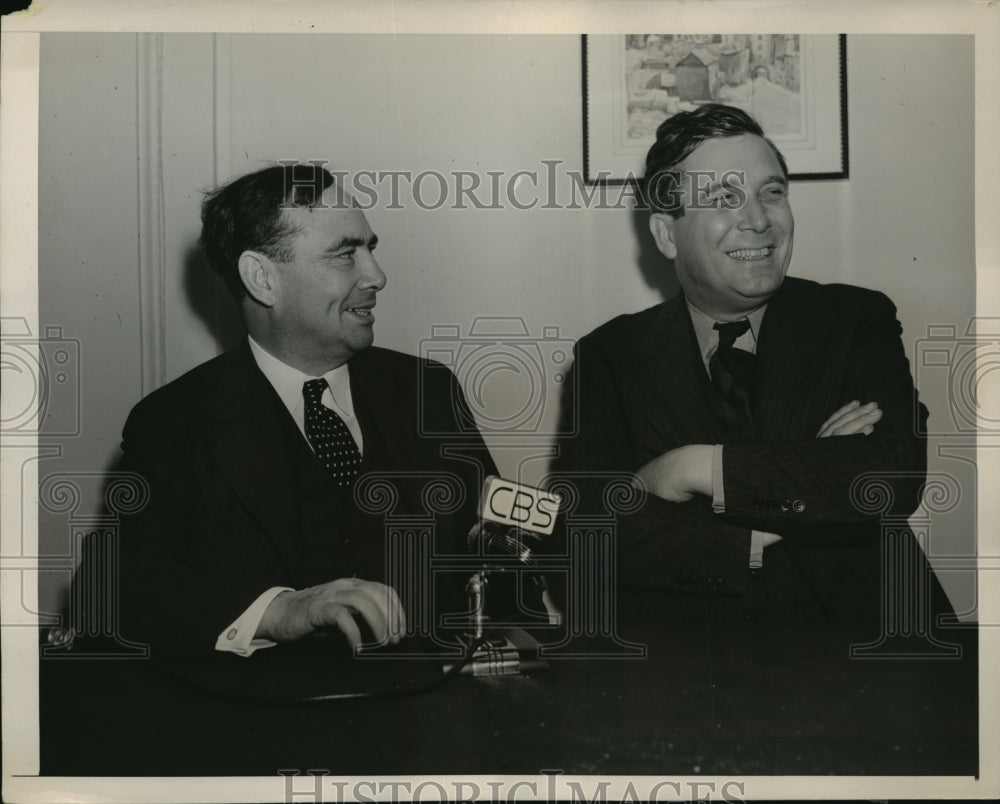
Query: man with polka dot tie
[254,535]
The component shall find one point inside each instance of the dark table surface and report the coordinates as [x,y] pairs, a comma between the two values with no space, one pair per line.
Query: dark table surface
[722,700]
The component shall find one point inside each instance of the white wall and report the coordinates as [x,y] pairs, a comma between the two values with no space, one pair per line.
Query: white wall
[87,278]
[119,269]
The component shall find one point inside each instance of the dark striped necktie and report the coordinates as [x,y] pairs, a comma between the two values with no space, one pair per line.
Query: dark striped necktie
[329,437]
[733,373]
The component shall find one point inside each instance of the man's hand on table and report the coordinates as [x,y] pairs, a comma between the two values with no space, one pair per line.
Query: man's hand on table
[294,615]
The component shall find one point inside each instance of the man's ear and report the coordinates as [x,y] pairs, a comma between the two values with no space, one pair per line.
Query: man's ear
[661,226]
[258,277]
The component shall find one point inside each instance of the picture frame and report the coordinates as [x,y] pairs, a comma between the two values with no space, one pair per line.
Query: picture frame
[794,84]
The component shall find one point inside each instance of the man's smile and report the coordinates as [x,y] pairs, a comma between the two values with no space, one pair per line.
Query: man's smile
[751,254]
[363,311]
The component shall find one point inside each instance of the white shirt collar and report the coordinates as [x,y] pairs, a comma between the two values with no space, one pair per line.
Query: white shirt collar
[708,336]
[288,381]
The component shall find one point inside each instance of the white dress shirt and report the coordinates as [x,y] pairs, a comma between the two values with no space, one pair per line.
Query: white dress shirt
[708,343]
[287,381]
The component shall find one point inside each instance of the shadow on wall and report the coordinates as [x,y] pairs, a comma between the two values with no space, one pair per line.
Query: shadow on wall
[656,270]
[659,275]
[211,301]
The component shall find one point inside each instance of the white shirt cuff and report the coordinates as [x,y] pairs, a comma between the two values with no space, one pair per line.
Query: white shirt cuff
[758,539]
[756,549]
[718,487]
[238,638]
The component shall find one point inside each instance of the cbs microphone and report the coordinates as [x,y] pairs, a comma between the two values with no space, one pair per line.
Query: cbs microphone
[514,518]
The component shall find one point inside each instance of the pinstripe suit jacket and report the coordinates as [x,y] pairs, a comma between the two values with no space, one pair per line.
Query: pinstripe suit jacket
[640,390]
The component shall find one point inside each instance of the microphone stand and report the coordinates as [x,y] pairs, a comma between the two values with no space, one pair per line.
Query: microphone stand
[499,651]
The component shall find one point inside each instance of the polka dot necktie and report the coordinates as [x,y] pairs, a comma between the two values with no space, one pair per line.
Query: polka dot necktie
[329,437]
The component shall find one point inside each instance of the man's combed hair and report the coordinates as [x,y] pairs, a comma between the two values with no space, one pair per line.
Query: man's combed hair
[247,214]
[679,135]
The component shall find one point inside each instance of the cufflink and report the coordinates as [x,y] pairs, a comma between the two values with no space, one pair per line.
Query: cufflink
[231,635]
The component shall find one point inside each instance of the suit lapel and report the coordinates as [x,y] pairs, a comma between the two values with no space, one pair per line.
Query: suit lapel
[673,397]
[381,410]
[790,362]
[253,452]
[387,412]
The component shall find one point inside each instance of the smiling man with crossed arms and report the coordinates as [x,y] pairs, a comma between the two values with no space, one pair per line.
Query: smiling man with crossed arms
[747,406]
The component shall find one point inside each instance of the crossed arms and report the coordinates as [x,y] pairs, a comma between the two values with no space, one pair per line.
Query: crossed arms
[794,480]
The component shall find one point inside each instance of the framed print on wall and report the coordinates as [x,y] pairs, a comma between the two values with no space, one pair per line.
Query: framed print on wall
[795,85]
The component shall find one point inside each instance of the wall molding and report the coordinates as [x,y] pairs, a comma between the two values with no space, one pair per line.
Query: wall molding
[222,133]
[151,212]
[222,154]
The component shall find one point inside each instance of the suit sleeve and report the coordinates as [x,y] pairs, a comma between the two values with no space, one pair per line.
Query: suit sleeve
[810,485]
[169,598]
[685,546]
[449,420]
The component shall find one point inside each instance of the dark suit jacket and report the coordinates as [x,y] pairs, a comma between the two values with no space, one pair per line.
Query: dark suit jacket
[238,502]
[642,390]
